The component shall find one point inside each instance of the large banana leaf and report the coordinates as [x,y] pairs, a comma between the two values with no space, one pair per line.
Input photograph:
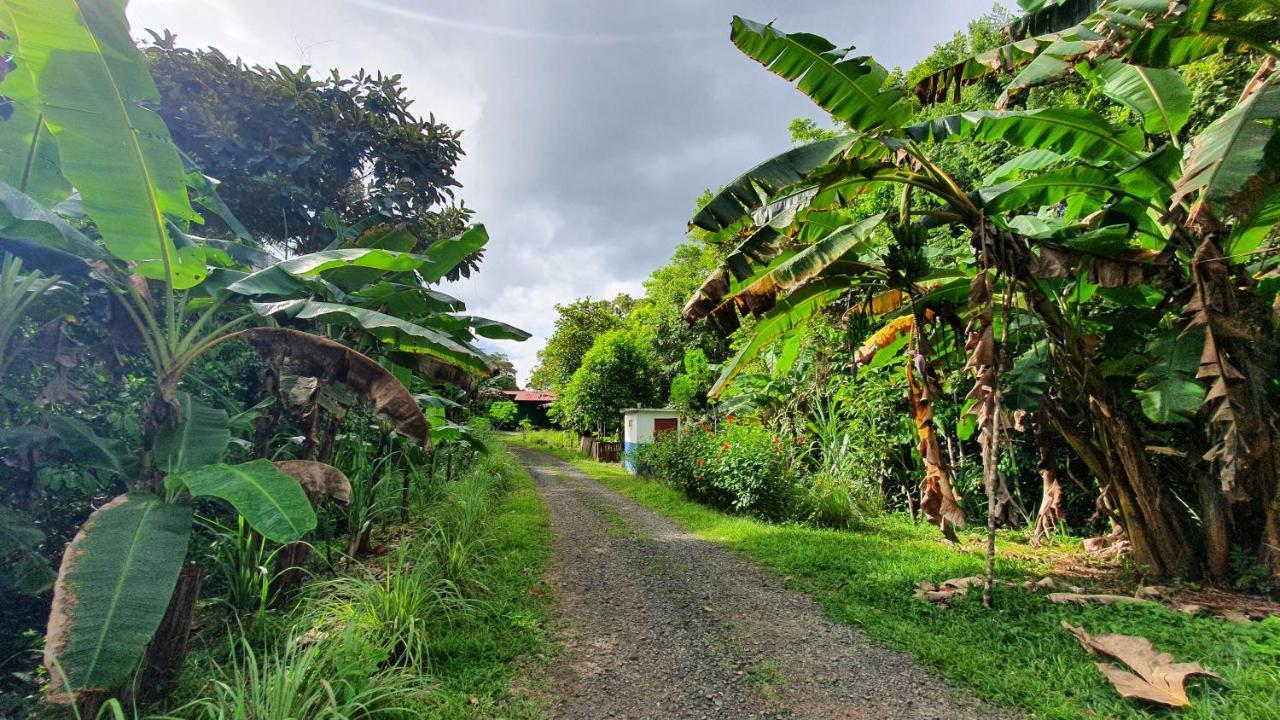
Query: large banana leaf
[852,89]
[273,503]
[93,83]
[400,334]
[1072,132]
[91,450]
[806,265]
[1160,96]
[28,152]
[788,314]
[1051,187]
[21,217]
[743,194]
[1232,163]
[112,590]
[1170,392]
[199,439]
[496,329]
[445,255]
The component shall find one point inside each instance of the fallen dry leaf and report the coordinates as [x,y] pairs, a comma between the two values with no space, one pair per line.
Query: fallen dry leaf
[1081,599]
[1155,677]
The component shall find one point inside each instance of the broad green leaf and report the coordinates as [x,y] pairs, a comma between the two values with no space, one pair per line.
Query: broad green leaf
[399,334]
[789,313]
[496,330]
[1170,393]
[314,264]
[268,281]
[114,585]
[445,255]
[1160,96]
[1027,162]
[852,89]
[273,503]
[93,83]
[88,449]
[1054,62]
[21,217]
[737,199]
[810,263]
[1071,132]
[1049,188]
[28,152]
[1232,163]
[406,301]
[199,439]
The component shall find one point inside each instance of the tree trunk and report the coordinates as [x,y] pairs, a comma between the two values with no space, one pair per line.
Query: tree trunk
[937,497]
[167,650]
[290,572]
[1049,518]
[1157,528]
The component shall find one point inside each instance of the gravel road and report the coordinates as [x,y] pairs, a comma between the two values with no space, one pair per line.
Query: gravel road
[657,623]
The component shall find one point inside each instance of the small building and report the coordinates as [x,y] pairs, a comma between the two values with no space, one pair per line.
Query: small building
[531,405]
[640,426]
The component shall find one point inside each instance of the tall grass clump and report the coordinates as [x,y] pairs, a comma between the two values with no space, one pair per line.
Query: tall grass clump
[311,676]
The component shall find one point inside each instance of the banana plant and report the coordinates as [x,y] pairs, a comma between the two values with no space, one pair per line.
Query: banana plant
[81,125]
[1093,206]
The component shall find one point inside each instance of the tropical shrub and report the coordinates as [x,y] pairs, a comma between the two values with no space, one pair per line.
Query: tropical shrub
[502,413]
[741,468]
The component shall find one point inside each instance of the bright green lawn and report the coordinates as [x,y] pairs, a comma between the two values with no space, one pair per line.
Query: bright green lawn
[1016,655]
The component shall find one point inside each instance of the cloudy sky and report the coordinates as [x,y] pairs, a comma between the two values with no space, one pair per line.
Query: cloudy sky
[591,126]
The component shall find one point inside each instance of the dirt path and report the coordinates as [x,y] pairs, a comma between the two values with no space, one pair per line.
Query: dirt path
[657,623]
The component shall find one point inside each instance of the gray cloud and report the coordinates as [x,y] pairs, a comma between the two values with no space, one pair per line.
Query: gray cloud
[590,127]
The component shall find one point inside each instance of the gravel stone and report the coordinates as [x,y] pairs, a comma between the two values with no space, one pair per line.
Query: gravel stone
[657,623]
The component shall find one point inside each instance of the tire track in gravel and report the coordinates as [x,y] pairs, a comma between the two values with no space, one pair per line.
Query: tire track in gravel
[657,623]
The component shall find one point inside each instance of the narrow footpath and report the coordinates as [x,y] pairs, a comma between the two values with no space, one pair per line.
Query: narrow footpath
[659,624]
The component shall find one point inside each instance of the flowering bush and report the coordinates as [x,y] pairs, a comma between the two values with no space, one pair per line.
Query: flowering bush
[739,467]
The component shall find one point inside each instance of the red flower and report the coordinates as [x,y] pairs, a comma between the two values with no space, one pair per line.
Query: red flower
[699,462]
[729,419]
[706,428]
[775,438]
[726,446]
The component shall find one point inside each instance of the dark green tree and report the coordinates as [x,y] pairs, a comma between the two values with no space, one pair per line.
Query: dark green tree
[616,373]
[577,327]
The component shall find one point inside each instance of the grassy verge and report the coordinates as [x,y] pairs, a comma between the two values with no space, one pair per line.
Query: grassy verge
[480,658]
[444,623]
[1016,655]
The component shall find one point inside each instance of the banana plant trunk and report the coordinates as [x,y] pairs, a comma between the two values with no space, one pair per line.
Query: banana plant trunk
[1158,530]
[167,650]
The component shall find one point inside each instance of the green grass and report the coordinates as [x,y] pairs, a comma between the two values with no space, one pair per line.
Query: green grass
[1016,655]
[476,661]
[449,624]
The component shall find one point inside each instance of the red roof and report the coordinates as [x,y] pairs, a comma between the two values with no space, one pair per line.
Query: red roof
[530,396]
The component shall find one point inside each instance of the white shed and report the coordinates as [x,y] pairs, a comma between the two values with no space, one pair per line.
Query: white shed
[640,426]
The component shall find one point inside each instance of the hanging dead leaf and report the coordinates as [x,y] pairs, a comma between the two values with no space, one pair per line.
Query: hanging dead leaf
[315,356]
[317,479]
[436,371]
[1155,678]
[298,391]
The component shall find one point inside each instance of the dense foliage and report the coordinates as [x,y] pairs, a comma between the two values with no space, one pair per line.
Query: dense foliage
[295,154]
[1087,276]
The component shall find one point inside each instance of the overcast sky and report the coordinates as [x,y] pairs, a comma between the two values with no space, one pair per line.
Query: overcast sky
[591,126]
